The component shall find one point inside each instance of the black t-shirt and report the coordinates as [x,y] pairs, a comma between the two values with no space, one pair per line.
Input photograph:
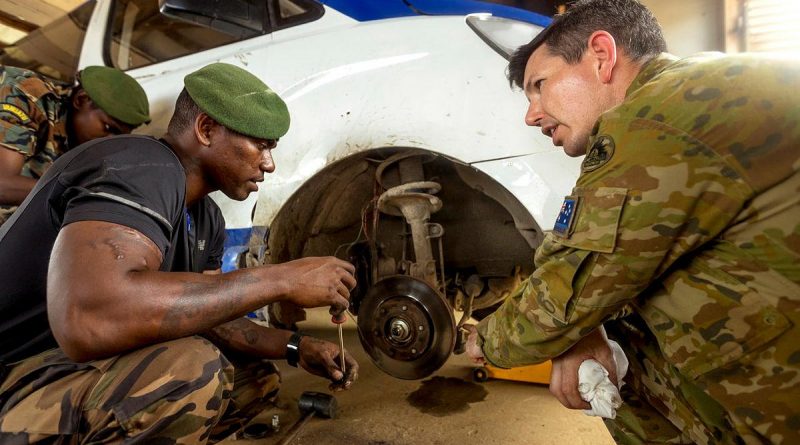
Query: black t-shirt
[135,181]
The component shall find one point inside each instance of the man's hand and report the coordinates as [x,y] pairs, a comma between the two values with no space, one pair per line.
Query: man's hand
[318,281]
[321,358]
[564,376]
[474,352]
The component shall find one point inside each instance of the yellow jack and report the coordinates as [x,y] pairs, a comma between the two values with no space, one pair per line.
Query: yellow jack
[534,373]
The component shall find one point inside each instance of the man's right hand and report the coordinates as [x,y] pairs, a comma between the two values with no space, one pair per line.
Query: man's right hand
[318,281]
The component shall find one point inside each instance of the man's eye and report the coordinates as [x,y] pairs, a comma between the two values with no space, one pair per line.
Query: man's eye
[538,84]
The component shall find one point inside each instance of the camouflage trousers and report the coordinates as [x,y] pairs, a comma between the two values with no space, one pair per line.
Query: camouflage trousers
[5,213]
[752,402]
[178,392]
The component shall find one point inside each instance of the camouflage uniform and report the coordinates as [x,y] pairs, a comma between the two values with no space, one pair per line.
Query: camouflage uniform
[33,115]
[683,237]
[181,391]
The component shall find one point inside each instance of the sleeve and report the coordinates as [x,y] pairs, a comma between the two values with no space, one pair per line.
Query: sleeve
[217,247]
[661,196]
[20,121]
[140,188]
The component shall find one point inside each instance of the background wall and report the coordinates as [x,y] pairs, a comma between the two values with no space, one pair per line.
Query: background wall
[690,26]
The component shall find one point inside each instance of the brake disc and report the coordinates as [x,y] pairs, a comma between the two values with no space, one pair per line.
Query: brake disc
[406,327]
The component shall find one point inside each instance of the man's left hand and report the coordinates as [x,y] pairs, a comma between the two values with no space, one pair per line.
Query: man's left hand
[320,357]
[474,352]
[564,375]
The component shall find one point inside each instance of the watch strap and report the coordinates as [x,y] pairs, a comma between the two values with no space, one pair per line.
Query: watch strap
[293,349]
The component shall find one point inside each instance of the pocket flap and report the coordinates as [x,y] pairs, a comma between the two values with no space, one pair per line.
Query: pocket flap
[596,225]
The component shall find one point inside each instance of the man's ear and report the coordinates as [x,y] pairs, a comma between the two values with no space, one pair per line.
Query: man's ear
[203,127]
[81,100]
[604,49]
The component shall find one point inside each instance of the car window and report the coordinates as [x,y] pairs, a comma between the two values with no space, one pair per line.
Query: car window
[54,49]
[140,35]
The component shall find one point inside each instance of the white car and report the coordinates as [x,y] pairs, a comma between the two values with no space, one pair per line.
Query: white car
[407,152]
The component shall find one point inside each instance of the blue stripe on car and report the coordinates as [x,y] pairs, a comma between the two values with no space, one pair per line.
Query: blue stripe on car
[366,10]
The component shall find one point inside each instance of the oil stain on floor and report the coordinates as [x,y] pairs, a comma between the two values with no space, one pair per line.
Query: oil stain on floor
[443,396]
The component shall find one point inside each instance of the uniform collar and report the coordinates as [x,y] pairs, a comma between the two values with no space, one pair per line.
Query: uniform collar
[650,69]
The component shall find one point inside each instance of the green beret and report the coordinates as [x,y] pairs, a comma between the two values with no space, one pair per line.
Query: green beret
[116,93]
[238,100]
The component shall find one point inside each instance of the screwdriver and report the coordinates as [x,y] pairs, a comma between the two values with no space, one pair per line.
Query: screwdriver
[339,318]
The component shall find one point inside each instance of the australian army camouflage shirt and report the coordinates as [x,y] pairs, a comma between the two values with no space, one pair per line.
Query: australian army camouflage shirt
[33,114]
[686,212]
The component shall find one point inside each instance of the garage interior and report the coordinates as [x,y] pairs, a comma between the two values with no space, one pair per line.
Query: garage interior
[450,407]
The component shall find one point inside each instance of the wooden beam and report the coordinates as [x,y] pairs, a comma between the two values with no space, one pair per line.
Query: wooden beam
[734,26]
[37,13]
[14,22]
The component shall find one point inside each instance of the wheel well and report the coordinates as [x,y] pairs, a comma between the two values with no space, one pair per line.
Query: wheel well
[486,228]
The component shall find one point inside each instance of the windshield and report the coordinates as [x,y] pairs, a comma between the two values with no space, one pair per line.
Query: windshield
[54,49]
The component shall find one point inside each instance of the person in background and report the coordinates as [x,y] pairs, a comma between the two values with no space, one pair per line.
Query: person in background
[41,119]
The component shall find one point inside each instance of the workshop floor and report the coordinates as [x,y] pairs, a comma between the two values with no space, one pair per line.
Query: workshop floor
[446,408]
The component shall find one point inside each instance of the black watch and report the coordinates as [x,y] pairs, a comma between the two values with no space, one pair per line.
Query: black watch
[293,349]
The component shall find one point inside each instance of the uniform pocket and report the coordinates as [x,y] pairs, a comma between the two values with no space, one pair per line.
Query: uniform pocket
[705,318]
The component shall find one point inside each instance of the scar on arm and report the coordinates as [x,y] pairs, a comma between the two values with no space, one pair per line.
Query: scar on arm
[123,242]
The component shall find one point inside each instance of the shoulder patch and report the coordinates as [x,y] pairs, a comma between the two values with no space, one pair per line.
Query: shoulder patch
[566,216]
[599,154]
[16,111]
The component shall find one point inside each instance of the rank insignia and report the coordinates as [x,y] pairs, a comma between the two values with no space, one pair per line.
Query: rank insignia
[601,151]
[566,216]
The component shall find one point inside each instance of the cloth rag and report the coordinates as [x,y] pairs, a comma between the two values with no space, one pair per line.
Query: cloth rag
[596,388]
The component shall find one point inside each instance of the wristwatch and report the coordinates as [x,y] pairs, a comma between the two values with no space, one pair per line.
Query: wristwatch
[293,349]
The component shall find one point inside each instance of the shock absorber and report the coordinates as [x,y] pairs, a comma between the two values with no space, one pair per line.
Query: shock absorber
[414,200]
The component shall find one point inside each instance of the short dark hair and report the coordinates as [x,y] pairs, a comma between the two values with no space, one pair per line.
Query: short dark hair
[633,26]
[186,110]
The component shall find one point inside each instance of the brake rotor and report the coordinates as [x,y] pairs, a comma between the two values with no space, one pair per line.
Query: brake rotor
[406,327]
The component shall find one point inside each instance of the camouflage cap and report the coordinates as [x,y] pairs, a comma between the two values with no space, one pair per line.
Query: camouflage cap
[116,93]
[238,100]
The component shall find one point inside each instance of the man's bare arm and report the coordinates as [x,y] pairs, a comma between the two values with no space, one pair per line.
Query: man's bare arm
[317,356]
[13,187]
[105,294]
[246,337]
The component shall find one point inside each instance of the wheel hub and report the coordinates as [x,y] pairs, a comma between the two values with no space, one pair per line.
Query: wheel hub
[406,327]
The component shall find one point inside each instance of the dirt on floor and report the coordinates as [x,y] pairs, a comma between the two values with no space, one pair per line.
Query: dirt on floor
[445,408]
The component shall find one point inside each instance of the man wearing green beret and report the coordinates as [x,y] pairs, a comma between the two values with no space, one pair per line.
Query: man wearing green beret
[136,336]
[40,119]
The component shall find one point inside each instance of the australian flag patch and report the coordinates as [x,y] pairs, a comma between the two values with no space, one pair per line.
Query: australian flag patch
[565,216]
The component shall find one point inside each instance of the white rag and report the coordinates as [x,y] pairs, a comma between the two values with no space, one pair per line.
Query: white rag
[596,388]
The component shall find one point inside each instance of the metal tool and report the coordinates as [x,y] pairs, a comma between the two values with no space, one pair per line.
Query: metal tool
[311,404]
[339,318]
[406,327]
[260,430]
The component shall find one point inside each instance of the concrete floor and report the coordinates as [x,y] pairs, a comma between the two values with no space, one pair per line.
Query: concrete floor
[446,408]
